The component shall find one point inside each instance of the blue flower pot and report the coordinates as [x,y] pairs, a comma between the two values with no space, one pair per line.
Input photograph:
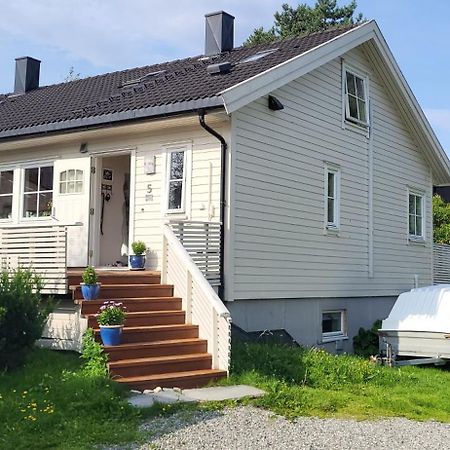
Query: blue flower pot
[137,261]
[90,291]
[111,334]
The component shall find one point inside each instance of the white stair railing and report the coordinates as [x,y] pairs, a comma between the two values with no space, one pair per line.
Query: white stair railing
[202,305]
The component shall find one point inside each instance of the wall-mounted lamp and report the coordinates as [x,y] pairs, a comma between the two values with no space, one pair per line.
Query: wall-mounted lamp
[83,148]
[275,104]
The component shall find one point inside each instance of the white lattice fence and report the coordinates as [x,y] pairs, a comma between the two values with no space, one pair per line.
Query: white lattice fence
[43,248]
[441,264]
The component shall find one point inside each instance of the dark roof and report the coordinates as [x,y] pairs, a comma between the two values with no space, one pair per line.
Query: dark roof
[186,81]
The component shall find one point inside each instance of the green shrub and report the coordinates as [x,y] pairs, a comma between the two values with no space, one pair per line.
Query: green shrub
[93,355]
[365,343]
[89,275]
[139,247]
[23,314]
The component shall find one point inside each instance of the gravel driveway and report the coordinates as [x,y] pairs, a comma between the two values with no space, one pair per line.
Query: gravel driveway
[248,428]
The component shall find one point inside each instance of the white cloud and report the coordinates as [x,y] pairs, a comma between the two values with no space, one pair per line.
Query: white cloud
[121,33]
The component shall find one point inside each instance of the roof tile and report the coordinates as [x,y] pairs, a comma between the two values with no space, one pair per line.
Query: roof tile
[177,81]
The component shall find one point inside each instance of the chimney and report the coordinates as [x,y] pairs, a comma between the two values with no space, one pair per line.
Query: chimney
[219,33]
[27,74]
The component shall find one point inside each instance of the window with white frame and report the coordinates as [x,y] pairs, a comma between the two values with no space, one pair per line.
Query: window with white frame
[6,193]
[415,215]
[38,192]
[355,97]
[334,324]
[71,181]
[332,178]
[176,161]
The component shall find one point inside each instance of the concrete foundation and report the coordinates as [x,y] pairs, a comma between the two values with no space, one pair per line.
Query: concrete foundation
[302,318]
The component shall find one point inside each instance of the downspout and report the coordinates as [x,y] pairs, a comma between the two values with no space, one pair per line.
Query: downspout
[223,152]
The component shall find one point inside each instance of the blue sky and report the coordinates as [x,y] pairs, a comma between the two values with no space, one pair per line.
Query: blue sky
[97,36]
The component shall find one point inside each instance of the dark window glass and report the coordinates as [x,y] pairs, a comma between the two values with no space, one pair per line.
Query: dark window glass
[6,182]
[38,192]
[331,322]
[175,194]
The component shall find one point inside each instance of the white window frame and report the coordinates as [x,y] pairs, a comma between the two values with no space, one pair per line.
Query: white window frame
[421,195]
[336,171]
[185,147]
[22,191]
[346,106]
[13,194]
[335,335]
[66,182]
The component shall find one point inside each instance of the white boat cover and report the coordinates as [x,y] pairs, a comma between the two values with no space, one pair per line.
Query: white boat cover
[421,309]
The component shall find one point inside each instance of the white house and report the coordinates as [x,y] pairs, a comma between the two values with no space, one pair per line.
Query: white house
[297,174]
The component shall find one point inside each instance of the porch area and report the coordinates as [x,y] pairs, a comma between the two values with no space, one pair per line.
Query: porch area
[177,330]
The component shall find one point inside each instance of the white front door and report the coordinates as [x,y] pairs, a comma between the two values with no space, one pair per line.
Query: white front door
[71,205]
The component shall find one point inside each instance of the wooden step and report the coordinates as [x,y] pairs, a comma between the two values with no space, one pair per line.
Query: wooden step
[119,291]
[135,304]
[160,365]
[118,277]
[156,333]
[146,318]
[184,380]
[157,348]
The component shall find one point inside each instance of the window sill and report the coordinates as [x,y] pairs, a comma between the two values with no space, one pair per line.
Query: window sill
[332,231]
[328,339]
[356,127]
[180,215]
[416,241]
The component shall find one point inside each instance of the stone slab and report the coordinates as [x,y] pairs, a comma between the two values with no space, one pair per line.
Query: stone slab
[216,393]
[220,393]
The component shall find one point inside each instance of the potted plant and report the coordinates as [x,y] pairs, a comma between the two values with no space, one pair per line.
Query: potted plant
[90,287]
[137,260]
[111,317]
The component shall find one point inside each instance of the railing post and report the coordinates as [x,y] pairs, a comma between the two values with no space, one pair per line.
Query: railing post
[188,296]
[214,339]
[164,262]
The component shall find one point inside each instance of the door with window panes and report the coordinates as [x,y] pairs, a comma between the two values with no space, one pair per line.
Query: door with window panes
[71,205]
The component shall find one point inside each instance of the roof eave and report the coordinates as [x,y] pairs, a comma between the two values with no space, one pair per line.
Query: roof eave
[115,118]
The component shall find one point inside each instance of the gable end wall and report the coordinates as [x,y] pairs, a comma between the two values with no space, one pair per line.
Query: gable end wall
[280,247]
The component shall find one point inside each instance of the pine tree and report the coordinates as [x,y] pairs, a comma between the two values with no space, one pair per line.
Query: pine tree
[304,19]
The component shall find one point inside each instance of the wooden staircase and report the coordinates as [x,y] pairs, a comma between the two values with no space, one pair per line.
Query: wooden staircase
[158,347]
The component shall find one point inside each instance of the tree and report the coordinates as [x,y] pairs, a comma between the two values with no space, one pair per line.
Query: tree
[441,220]
[72,75]
[303,19]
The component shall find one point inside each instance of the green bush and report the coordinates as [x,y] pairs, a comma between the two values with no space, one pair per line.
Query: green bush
[89,275]
[365,343]
[94,357]
[23,314]
[139,247]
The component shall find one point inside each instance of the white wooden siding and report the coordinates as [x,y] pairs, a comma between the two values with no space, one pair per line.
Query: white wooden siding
[148,210]
[281,249]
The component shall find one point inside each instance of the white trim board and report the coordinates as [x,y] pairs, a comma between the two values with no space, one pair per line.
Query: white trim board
[266,82]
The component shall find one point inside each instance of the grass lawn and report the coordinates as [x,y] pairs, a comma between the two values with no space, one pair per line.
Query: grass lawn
[50,403]
[302,382]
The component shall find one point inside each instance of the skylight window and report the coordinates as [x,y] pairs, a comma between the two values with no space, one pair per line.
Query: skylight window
[258,55]
[142,79]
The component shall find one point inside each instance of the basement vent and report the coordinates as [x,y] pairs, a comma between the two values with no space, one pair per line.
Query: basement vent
[257,56]
[224,67]
[145,77]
